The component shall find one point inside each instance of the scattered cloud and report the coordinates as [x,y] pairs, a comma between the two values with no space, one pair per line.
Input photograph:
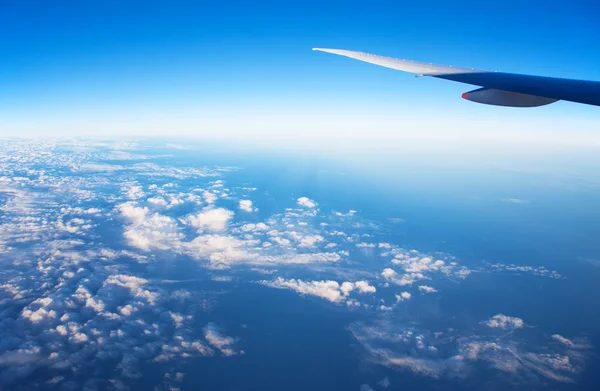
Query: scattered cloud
[427,289]
[217,340]
[535,270]
[403,296]
[329,290]
[306,202]
[504,322]
[210,219]
[246,205]
[455,355]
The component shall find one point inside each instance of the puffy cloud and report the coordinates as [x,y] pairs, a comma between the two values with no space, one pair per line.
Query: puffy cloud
[149,231]
[211,219]
[157,201]
[306,202]
[366,387]
[135,192]
[403,296]
[246,205]
[364,287]
[310,240]
[427,289]
[402,280]
[219,341]
[209,197]
[329,290]
[504,322]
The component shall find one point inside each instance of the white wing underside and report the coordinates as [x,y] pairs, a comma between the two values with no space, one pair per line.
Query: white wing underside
[419,68]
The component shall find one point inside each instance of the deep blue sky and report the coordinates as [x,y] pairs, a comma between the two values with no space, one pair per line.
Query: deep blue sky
[122,65]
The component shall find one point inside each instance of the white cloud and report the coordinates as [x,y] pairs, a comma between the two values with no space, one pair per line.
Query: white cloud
[157,201]
[452,354]
[365,245]
[149,231]
[209,197]
[563,340]
[256,228]
[135,192]
[100,167]
[246,205]
[504,322]
[364,287]
[219,341]
[388,273]
[427,289]
[211,219]
[306,202]
[329,290]
[310,241]
[403,296]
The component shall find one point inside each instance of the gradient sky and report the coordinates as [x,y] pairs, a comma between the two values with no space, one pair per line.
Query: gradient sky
[242,69]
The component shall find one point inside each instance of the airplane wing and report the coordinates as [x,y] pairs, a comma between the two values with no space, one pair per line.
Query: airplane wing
[497,88]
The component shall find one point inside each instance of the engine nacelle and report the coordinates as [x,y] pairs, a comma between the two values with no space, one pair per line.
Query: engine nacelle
[490,96]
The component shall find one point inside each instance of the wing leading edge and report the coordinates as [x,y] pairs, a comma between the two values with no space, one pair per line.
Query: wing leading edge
[498,88]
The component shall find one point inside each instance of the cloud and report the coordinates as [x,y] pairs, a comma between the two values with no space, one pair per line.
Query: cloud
[364,287]
[306,202]
[504,322]
[427,289]
[417,267]
[209,197]
[385,383]
[310,240]
[455,355]
[259,227]
[97,167]
[515,201]
[148,231]
[157,201]
[535,270]
[329,290]
[219,341]
[246,205]
[211,219]
[403,297]
[135,192]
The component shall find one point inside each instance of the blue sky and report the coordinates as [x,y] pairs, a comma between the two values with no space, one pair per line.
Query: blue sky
[236,69]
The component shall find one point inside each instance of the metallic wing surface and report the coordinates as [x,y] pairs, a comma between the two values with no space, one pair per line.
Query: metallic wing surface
[497,88]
